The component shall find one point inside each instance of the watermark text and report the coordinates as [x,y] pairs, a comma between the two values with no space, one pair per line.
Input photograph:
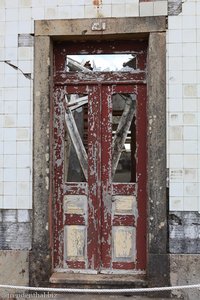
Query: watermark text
[31,295]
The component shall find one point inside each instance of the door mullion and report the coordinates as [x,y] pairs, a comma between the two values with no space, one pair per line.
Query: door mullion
[106,177]
[94,179]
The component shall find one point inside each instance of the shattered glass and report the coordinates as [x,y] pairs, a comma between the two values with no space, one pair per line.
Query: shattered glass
[101,63]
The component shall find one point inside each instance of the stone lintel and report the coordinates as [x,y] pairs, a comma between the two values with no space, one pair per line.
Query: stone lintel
[85,28]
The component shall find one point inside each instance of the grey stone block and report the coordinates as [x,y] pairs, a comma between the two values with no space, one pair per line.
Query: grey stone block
[185,270]
[13,271]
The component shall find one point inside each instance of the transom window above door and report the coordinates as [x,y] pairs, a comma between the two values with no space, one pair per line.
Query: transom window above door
[101,63]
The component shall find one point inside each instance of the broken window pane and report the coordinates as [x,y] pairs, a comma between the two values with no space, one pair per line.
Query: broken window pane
[101,63]
[78,107]
[123,132]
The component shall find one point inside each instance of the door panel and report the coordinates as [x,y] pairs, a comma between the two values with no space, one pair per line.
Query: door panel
[81,205]
[118,231]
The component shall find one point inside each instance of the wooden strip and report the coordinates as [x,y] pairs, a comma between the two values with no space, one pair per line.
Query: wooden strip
[106,228]
[77,103]
[117,87]
[123,265]
[74,219]
[75,188]
[124,221]
[77,142]
[75,264]
[63,78]
[122,131]
[58,177]
[124,189]
[94,177]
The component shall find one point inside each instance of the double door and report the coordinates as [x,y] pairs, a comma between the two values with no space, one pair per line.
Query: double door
[100,177]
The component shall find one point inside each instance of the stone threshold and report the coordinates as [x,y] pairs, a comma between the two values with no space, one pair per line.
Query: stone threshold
[103,280]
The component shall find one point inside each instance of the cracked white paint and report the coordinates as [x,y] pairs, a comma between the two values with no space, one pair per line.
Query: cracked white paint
[124,205]
[123,246]
[75,204]
[75,242]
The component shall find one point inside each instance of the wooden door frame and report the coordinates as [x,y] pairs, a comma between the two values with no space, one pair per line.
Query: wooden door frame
[71,81]
[152,29]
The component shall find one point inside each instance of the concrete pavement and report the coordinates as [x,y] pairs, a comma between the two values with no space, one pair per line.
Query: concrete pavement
[54,296]
[104,297]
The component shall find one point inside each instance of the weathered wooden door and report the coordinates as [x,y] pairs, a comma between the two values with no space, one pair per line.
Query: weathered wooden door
[100,172]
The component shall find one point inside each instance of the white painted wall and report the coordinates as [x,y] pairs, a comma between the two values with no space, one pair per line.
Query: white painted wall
[183,92]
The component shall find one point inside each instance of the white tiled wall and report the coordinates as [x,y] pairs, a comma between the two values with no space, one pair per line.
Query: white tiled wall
[183,76]
[15,107]
[183,92]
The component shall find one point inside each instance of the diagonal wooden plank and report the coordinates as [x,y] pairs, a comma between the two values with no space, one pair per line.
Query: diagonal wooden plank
[77,141]
[80,101]
[122,131]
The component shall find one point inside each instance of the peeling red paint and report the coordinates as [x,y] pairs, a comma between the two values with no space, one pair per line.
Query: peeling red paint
[75,264]
[124,221]
[74,219]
